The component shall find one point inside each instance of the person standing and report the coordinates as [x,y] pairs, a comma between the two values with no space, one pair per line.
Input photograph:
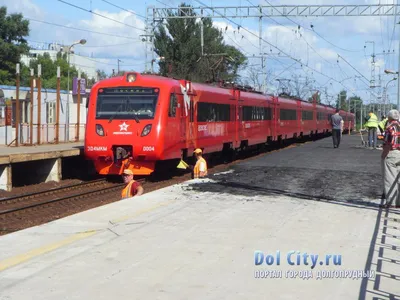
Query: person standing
[372,125]
[200,168]
[390,160]
[337,127]
[132,188]
[383,124]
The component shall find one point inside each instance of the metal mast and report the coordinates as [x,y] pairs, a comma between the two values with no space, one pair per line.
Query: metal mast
[160,14]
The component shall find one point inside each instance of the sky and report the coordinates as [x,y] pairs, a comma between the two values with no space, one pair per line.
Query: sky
[332,53]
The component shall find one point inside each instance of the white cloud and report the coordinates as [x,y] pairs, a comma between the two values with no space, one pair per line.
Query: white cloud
[27,7]
[345,32]
[99,45]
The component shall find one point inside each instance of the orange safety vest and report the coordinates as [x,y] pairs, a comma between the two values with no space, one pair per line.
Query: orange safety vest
[196,169]
[127,191]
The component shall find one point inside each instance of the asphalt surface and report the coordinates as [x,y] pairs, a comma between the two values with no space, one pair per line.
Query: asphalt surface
[313,170]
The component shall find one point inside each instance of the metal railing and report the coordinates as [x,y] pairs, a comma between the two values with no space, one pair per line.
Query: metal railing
[47,134]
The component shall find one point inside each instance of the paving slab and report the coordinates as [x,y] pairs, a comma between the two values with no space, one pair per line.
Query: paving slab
[30,153]
[197,240]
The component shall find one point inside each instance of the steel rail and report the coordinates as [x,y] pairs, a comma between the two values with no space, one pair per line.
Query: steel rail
[51,191]
[71,197]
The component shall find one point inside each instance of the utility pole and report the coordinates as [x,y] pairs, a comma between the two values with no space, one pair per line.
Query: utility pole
[118,61]
[372,82]
[398,82]
[264,75]
[17,113]
[31,108]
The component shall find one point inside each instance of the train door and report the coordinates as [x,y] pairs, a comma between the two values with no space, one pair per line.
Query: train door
[192,124]
[241,123]
[299,123]
[275,117]
[182,118]
[315,117]
[236,120]
[187,114]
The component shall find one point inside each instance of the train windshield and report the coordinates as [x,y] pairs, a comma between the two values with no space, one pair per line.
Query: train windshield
[126,103]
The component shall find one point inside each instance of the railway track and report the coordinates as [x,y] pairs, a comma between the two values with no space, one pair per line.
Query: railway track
[32,209]
[18,212]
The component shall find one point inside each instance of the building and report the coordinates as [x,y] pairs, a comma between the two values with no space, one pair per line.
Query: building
[46,128]
[82,63]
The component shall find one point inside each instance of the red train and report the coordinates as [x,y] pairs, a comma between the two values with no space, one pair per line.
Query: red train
[136,120]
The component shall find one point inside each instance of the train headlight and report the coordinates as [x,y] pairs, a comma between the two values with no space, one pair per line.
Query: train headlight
[131,77]
[146,130]
[99,130]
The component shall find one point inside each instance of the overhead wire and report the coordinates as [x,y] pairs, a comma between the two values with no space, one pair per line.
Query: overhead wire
[80,29]
[133,13]
[234,41]
[299,26]
[298,60]
[321,37]
[301,35]
[86,46]
[310,29]
[100,15]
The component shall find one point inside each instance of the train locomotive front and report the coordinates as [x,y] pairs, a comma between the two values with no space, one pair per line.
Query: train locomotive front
[123,125]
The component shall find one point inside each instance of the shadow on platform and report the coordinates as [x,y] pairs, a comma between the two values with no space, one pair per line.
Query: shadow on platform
[387,261]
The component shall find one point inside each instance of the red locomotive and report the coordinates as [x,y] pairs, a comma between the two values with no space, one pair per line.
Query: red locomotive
[135,121]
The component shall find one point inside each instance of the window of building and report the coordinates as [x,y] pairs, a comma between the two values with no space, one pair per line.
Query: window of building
[288,114]
[212,112]
[50,112]
[306,115]
[173,101]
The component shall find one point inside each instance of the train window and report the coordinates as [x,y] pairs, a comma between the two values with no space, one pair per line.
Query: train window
[306,115]
[247,113]
[254,113]
[117,104]
[268,113]
[321,116]
[288,114]
[212,112]
[172,105]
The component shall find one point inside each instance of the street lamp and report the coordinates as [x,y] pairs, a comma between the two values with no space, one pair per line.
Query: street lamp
[398,86]
[82,42]
[161,58]
[385,90]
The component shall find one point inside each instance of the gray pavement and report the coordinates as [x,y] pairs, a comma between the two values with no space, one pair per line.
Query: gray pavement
[197,240]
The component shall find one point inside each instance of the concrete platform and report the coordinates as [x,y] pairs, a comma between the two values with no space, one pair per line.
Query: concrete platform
[49,156]
[197,240]
[29,153]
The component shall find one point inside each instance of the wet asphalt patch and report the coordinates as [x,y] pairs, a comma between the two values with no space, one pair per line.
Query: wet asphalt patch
[313,171]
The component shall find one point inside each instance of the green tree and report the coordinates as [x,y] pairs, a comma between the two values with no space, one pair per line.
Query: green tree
[13,29]
[49,71]
[341,101]
[101,74]
[317,97]
[179,42]
[355,107]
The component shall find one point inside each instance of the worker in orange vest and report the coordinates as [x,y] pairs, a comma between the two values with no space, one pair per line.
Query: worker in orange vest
[133,188]
[200,168]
